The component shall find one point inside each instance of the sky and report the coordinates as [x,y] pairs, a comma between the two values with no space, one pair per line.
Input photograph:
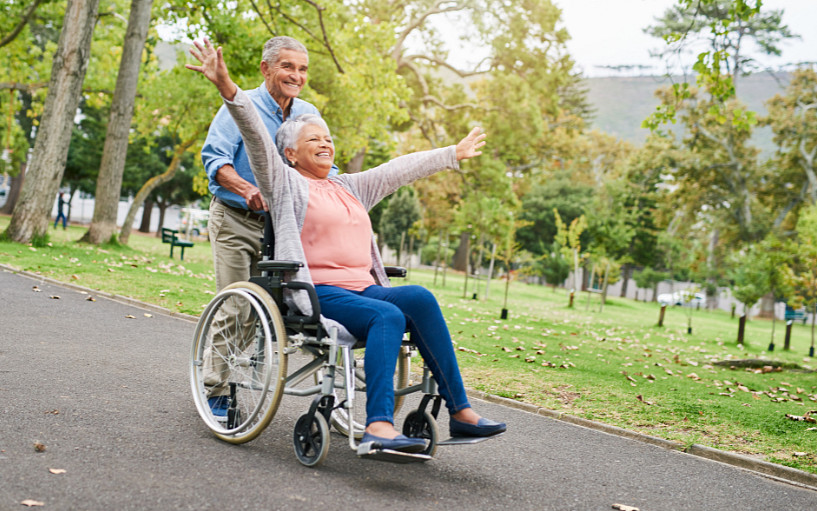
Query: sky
[610,32]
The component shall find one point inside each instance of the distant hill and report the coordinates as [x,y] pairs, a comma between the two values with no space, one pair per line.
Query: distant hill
[622,103]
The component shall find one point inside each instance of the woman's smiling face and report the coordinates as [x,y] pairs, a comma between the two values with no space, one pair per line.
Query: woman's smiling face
[314,152]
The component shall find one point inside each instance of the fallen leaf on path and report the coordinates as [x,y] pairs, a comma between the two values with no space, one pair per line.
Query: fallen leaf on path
[39,447]
[130,316]
[623,507]
[36,289]
[90,299]
[55,297]
[32,503]
[57,470]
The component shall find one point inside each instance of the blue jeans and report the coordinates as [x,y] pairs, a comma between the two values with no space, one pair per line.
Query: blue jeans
[379,315]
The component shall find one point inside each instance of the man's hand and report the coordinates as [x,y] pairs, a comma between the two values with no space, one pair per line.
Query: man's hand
[469,146]
[229,179]
[213,67]
[255,200]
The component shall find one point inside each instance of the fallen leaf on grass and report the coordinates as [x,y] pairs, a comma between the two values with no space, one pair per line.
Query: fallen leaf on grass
[641,398]
[39,447]
[74,277]
[806,417]
[32,503]
[57,470]
[693,376]
[799,454]
[623,507]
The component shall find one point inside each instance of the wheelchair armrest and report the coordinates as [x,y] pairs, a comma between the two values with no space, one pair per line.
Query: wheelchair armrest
[279,266]
[313,300]
[395,271]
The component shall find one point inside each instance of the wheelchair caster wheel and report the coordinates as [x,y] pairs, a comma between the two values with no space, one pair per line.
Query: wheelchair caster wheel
[422,425]
[311,439]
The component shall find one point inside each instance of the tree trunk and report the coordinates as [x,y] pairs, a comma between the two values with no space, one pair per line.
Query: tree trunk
[109,182]
[766,306]
[32,213]
[356,163]
[14,191]
[461,255]
[147,212]
[151,185]
[626,277]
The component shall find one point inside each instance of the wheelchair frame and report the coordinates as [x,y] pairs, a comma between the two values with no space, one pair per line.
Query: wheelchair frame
[256,362]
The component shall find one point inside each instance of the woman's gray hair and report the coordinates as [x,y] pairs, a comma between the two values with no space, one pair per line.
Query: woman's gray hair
[273,47]
[287,135]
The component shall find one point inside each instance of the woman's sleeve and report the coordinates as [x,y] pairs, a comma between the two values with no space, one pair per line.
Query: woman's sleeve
[374,184]
[265,162]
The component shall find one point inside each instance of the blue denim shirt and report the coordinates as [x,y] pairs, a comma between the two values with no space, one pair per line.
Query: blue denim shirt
[224,146]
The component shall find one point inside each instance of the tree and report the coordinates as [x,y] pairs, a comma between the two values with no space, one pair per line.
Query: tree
[801,272]
[401,213]
[178,105]
[750,275]
[793,119]
[30,218]
[569,238]
[724,25]
[109,181]
[649,279]
[560,194]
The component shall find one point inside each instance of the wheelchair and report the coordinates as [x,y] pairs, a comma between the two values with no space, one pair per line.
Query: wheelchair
[247,345]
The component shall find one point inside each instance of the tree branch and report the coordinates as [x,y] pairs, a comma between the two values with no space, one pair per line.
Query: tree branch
[326,43]
[460,73]
[437,8]
[23,22]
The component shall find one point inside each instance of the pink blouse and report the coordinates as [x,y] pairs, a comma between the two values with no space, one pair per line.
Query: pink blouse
[337,237]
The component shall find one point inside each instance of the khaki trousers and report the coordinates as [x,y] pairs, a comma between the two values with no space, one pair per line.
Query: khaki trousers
[236,242]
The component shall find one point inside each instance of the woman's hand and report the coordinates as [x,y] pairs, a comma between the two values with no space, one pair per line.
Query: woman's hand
[213,67]
[469,146]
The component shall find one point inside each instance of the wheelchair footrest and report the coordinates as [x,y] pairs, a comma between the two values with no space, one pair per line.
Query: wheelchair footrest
[367,451]
[466,440]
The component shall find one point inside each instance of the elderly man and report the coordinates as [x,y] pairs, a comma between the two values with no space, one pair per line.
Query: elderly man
[236,211]
[236,222]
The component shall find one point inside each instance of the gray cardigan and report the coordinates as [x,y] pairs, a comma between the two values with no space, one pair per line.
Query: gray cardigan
[287,192]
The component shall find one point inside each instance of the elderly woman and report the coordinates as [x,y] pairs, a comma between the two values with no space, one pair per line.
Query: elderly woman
[324,222]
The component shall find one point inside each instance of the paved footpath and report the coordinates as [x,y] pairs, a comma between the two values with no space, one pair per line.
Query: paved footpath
[108,397]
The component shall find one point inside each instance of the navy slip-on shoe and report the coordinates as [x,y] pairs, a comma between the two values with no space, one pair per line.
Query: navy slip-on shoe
[219,406]
[485,427]
[399,443]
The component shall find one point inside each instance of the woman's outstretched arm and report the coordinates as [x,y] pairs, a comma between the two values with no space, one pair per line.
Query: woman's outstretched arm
[264,159]
[213,67]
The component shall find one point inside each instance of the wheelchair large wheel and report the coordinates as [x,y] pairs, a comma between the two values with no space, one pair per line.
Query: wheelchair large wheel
[239,351]
[311,439]
[340,415]
[422,425]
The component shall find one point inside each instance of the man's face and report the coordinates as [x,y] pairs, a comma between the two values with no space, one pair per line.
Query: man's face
[286,78]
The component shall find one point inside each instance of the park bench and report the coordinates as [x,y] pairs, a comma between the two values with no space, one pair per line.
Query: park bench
[796,314]
[171,236]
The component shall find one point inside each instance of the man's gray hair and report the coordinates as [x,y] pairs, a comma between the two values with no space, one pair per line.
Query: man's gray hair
[273,47]
[287,135]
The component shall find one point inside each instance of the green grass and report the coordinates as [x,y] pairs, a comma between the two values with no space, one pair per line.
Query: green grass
[614,366]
